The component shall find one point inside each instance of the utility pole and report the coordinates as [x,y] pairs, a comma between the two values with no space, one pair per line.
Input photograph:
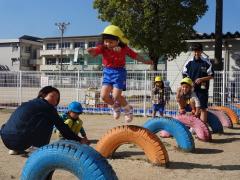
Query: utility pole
[218,35]
[62,27]
[218,64]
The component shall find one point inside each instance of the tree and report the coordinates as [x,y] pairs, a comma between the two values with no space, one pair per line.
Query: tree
[158,27]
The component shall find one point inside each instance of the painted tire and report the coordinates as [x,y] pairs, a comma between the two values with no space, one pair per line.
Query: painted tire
[80,159]
[174,127]
[149,142]
[233,116]
[235,109]
[223,118]
[200,128]
[214,123]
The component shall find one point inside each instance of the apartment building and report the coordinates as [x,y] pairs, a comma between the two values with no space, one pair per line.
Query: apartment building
[21,53]
[72,55]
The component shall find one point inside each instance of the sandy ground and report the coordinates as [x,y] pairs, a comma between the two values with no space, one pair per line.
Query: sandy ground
[219,159]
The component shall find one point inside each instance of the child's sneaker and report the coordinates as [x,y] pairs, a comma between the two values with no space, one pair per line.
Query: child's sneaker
[128,113]
[116,110]
[15,152]
[31,149]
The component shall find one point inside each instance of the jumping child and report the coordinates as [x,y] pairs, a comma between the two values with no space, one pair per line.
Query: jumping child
[114,50]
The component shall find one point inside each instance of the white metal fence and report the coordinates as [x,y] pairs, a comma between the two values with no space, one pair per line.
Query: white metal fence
[84,86]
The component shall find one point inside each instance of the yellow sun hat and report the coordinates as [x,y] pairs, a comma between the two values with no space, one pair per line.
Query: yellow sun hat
[116,31]
[187,80]
[158,78]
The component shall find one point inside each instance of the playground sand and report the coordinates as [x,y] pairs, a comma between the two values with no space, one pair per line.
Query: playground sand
[219,159]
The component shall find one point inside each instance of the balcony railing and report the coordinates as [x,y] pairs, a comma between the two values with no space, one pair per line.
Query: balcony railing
[56,52]
[35,62]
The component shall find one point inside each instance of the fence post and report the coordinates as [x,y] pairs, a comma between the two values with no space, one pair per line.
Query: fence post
[145,93]
[223,88]
[78,82]
[20,89]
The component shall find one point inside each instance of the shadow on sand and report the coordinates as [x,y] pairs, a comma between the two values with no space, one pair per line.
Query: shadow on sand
[207,151]
[185,165]
[227,140]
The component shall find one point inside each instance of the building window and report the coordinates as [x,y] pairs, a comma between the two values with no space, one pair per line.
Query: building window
[34,54]
[80,61]
[65,61]
[79,45]
[14,48]
[51,61]
[27,49]
[92,44]
[51,46]
[95,60]
[65,45]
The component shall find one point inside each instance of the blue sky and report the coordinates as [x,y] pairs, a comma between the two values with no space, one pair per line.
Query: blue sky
[37,18]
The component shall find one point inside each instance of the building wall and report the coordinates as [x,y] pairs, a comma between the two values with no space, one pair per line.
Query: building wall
[19,54]
[9,56]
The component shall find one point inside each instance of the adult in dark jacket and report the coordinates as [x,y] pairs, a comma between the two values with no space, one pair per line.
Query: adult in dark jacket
[32,123]
[200,70]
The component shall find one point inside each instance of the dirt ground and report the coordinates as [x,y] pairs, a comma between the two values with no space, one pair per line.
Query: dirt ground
[219,159]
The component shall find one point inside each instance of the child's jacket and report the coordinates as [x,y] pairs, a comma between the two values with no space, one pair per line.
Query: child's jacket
[158,95]
[75,125]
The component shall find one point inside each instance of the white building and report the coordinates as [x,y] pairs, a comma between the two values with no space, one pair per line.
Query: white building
[20,54]
[74,55]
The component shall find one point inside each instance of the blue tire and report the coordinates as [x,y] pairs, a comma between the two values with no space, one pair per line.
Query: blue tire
[214,123]
[177,129]
[81,160]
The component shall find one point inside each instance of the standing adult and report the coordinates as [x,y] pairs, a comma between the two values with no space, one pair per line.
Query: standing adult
[200,70]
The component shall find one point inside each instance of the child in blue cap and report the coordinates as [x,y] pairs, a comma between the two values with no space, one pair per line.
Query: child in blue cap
[71,118]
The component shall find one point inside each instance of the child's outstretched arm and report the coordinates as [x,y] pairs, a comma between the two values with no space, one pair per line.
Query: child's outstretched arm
[92,52]
[139,58]
[83,133]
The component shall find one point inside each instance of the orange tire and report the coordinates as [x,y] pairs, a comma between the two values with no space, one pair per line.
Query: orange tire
[233,116]
[149,142]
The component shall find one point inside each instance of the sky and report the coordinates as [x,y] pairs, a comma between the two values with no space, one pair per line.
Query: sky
[38,18]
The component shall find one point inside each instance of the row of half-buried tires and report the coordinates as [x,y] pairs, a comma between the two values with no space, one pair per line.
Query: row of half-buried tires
[85,163]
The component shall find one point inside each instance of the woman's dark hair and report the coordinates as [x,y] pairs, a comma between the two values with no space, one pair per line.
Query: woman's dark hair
[46,90]
[112,37]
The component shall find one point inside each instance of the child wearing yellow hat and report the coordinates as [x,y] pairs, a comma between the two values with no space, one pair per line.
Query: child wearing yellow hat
[187,99]
[114,50]
[158,96]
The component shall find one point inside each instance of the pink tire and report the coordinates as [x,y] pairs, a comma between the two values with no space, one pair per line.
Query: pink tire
[164,134]
[200,128]
[223,118]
